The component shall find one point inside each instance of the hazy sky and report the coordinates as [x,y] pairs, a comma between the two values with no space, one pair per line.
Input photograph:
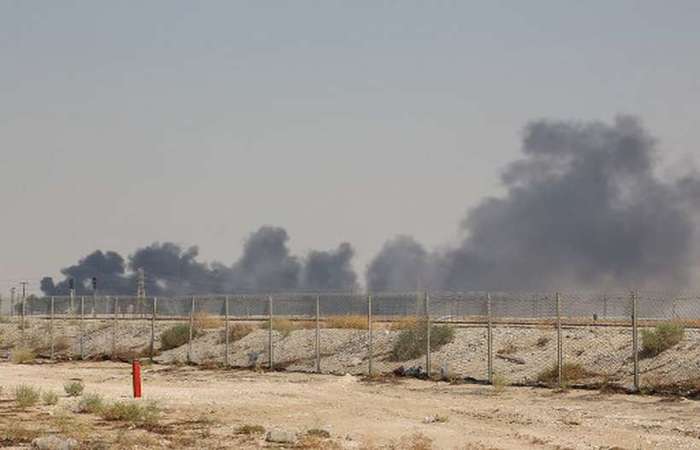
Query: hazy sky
[124,123]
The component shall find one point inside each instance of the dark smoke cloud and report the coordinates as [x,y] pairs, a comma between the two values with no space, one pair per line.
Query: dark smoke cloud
[402,264]
[266,264]
[330,270]
[109,267]
[583,208]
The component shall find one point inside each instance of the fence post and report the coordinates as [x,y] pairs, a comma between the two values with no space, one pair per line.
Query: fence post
[82,327]
[151,347]
[51,328]
[635,341]
[369,337]
[226,330]
[489,338]
[426,301]
[189,339]
[114,326]
[318,334]
[560,354]
[270,364]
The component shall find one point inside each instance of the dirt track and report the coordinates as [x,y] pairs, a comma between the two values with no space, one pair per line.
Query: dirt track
[357,414]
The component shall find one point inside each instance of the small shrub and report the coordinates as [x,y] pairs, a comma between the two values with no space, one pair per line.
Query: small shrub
[22,355]
[49,398]
[26,396]
[570,372]
[499,383]
[205,321]
[90,404]
[250,429]
[661,338]
[132,412]
[416,441]
[74,388]
[61,344]
[238,331]
[177,336]
[351,322]
[411,342]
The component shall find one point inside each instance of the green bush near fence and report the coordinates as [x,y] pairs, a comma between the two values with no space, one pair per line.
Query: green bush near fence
[412,341]
[176,336]
[661,338]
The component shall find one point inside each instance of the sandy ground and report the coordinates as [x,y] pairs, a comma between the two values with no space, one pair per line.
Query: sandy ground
[204,408]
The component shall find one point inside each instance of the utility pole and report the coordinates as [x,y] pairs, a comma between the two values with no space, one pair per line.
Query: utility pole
[12,301]
[24,300]
[141,292]
[94,297]
[71,287]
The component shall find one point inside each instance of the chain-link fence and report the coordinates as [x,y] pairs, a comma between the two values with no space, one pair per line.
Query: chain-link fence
[645,340]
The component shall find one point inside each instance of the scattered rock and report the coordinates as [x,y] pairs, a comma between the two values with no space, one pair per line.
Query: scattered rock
[281,436]
[54,443]
[512,359]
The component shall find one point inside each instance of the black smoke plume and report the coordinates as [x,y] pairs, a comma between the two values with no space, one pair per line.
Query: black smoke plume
[330,270]
[402,264]
[585,207]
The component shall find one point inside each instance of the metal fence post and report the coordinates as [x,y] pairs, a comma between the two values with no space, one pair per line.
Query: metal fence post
[489,338]
[82,327]
[318,334]
[227,331]
[369,332]
[560,354]
[151,347]
[635,341]
[51,328]
[191,331]
[426,301]
[269,334]
[114,326]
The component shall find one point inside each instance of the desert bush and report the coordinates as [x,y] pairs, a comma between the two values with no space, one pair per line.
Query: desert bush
[411,342]
[350,321]
[74,388]
[205,321]
[499,383]
[238,331]
[569,372]
[26,396]
[49,398]
[416,441]
[90,404]
[61,344]
[661,338]
[177,336]
[132,412]
[250,429]
[282,326]
[22,355]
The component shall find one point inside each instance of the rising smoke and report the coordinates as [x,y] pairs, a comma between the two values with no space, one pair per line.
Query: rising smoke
[584,207]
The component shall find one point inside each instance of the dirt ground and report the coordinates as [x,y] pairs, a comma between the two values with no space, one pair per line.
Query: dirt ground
[205,408]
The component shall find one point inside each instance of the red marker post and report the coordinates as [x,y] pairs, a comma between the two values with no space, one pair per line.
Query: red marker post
[136,376]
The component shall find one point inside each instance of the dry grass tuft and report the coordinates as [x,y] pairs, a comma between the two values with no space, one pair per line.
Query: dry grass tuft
[238,331]
[250,429]
[22,355]
[205,321]
[26,396]
[350,321]
[404,323]
[282,326]
[74,388]
[661,338]
[570,372]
